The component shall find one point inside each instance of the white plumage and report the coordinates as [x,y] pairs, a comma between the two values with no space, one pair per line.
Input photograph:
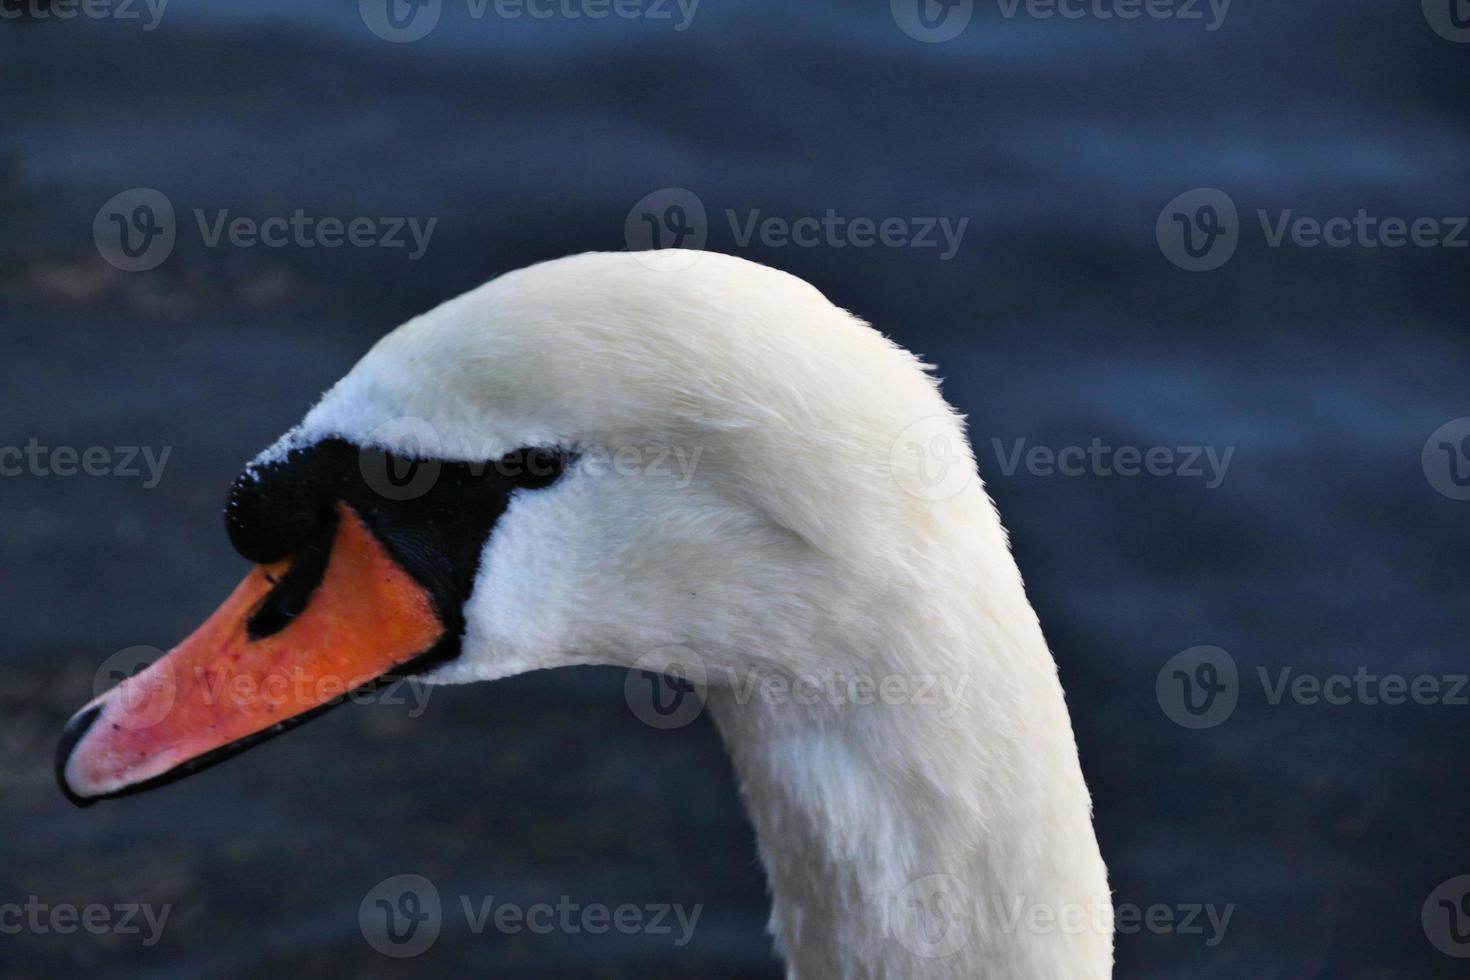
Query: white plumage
[790,532]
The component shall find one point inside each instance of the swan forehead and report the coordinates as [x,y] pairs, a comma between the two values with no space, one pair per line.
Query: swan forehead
[601,347]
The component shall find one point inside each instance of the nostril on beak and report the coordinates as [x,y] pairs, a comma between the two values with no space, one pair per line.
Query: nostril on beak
[73,733]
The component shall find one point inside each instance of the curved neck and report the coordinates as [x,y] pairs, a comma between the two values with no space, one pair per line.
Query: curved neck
[942,828]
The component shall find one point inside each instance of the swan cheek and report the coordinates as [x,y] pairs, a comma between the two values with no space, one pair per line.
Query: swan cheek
[252,670]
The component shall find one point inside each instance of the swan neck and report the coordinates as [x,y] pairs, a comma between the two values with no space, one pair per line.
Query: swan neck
[923,834]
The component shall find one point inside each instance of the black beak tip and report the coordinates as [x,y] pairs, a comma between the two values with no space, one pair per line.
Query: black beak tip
[73,733]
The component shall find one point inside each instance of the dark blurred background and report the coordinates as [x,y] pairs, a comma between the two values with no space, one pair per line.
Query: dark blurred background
[1328,546]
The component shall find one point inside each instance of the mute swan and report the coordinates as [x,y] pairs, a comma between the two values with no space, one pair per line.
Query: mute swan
[902,836]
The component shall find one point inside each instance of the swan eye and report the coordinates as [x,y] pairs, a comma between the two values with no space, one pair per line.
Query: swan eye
[532,468]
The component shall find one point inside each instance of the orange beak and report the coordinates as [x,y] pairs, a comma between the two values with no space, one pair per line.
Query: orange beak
[227,687]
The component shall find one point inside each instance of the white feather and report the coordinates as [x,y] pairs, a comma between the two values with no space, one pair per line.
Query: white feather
[793,549]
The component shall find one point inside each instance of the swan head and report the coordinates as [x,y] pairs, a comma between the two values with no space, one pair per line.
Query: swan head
[609,459]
